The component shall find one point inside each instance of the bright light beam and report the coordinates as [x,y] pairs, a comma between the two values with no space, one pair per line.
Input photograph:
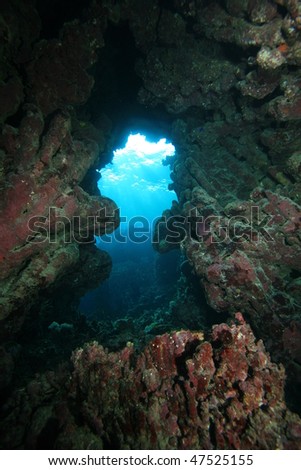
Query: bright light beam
[137,180]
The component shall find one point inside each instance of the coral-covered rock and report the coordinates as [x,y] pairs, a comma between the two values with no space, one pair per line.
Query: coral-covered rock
[218,157]
[220,25]
[285,109]
[241,254]
[262,11]
[281,143]
[166,79]
[294,166]
[57,77]
[270,60]
[44,213]
[256,88]
[180,392]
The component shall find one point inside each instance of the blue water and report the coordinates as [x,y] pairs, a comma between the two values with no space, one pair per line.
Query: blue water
[137,180]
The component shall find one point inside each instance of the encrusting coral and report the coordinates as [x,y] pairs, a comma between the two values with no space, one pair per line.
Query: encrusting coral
[181,392]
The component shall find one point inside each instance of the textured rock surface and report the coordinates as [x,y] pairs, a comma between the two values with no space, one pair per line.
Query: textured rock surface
[226,74]
[229,145]
[57,77]
[43,190]
[247,254]
[181,392]
[44,159]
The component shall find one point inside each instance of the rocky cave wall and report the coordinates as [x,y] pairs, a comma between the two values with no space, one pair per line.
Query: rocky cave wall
[224,78]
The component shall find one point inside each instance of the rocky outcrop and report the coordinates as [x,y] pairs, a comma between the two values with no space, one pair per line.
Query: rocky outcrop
[45,154]
[181,392]
[45,214]
[236,171]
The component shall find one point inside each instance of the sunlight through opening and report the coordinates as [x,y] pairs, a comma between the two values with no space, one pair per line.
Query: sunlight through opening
[138,178]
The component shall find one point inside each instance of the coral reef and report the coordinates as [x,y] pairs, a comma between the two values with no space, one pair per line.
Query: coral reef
[180,392]
[236,171]
[57,77]
[223,77]
[247,253]
[44,212]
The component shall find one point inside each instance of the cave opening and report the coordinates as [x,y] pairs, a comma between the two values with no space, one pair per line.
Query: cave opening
[137,179]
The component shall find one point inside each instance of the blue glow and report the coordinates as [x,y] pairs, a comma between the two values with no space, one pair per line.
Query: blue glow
[137,180]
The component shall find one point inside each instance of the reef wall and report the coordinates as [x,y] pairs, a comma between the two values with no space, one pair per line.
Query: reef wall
[181,392]
[237,168]
[47,218]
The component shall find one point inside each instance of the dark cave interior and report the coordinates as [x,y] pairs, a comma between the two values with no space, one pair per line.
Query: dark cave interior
[220,80]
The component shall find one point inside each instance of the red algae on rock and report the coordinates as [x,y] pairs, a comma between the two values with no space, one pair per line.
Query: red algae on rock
[181,392]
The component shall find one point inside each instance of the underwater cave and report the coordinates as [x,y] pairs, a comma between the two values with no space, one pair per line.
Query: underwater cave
[150,249]
[137,180]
